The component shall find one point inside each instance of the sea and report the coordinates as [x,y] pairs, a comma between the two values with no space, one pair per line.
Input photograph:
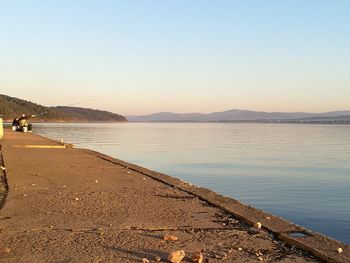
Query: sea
[299,172]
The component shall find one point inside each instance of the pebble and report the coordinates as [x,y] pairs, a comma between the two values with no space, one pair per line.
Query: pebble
[76,199]
[145,260]
[340,250]
[25,195]
[157,258]
[3,168]
[260,259]
[176,256]
[170,238]
[96,181]
[222,255]
[257,225]
[240,249]
[197,257]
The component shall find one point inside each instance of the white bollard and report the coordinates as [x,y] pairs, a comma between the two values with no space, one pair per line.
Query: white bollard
[1,129]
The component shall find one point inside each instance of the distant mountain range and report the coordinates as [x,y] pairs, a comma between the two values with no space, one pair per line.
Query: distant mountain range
[11,107]
[245,116]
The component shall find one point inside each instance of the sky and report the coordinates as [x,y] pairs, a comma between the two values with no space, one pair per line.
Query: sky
[145,56]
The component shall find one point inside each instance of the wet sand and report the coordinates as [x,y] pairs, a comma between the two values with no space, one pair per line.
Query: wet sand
[74,205]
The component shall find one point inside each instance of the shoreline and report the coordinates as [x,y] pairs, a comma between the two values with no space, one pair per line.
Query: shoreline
[294,235]
[322,247]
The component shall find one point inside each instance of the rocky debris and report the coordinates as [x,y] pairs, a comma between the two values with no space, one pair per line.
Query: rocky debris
[176,256]
[197,257]
[340,250]
[157,258]
[170,238]
[3,168]
[145,260]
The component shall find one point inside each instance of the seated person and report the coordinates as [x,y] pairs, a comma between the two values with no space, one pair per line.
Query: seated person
[23,121]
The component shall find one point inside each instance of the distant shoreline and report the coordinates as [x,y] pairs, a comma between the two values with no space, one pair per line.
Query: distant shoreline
[7,122]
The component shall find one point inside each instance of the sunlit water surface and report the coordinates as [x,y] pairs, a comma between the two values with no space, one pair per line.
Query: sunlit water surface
[299,172]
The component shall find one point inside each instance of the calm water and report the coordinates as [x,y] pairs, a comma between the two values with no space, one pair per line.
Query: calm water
[300,172]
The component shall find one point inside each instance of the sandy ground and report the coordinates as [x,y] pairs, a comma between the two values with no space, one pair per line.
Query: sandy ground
[66,205]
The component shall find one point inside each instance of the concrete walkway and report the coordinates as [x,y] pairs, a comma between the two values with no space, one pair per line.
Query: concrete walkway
[69,205]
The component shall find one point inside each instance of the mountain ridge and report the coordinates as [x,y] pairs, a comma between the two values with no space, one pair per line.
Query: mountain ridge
[235,115]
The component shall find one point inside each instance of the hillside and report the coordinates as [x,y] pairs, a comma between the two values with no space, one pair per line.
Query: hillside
[11,107]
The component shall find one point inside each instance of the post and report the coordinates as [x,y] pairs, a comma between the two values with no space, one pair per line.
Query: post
[1,129]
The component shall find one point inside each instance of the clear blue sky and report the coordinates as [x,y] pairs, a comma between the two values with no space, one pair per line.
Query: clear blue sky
[135,57]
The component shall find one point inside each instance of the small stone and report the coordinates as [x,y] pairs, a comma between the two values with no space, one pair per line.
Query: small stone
[3,168]
[25,195]
[340,250]
[240,249]
[260,259]
[222,255]
[157,258]
[76,199]
[128,172]
[144,178]
[170,238]
[176,256]
[268,218]
[33,184]
[96,181]
[197,257]
[110,225]
[5,250]
[257,225]
[145,260]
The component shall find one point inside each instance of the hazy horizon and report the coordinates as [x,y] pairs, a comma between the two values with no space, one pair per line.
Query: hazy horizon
[142,57]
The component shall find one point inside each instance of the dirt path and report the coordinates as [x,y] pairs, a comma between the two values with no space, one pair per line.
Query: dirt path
[66,205]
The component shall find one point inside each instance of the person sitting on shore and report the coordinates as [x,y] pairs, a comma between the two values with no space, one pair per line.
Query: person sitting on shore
[15,123]
[23,121]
